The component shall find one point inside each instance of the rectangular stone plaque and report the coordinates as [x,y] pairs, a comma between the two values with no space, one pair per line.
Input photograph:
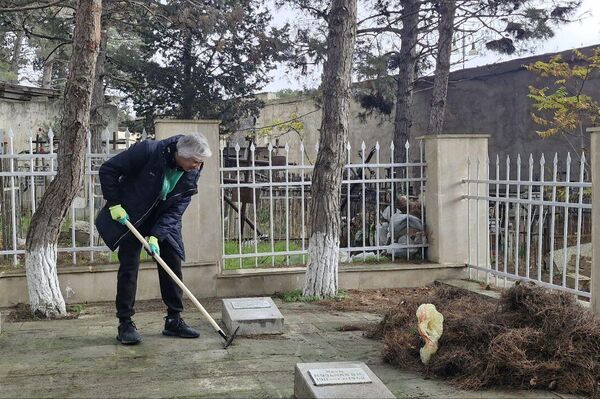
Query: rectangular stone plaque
[339,376]
[250,304]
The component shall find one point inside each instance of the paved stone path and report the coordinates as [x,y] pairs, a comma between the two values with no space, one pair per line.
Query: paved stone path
[81,359]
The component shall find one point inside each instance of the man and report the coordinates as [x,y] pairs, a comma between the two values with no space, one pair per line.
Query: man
[151,185]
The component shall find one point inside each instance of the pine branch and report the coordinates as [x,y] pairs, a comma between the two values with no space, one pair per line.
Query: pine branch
[31,7]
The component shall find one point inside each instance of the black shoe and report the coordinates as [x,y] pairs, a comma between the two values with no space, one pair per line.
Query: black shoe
[128,334]
[176,327]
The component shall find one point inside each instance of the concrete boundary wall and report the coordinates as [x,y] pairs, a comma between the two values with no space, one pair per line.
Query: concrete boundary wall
[81,284]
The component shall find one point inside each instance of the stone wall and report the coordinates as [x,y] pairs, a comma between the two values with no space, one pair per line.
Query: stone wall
[37,115]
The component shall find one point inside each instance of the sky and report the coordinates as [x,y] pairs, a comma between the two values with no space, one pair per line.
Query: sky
[584,32]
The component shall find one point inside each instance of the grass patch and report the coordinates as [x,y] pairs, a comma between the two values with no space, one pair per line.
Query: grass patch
[296,296]
[76,308]
[232,248]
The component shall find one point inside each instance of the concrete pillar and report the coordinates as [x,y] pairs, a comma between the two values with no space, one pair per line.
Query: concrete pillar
[453,223]
[201,229]
[595,283]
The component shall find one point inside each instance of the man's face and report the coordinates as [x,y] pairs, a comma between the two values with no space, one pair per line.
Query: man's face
[187,164]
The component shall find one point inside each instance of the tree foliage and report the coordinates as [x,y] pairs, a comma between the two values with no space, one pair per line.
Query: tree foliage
[502,26]
[201,61]
[565,107]
[176,58]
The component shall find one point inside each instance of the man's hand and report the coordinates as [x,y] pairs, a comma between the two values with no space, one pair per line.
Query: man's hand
[118,213]
[154,248]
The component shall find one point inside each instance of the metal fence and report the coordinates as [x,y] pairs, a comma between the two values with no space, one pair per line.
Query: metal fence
[539,229]
[266,206]
[25,173]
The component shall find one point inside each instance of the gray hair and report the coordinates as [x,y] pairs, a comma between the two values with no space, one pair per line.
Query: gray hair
[194,146]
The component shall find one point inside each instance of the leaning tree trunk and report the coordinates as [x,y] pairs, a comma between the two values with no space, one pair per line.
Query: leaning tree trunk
[323,248]
[447,12]
[97,120]
[406,76]
[42,238]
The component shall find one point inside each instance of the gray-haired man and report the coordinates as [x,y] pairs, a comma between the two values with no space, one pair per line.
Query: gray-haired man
[150,184]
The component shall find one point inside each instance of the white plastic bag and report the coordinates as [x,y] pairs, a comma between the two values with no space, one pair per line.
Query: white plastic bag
[431,327]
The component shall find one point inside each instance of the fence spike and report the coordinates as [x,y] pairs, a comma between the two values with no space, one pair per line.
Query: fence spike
[237,147]
[348,146]
[317,147]
[392,147]
[555,158]
[569,157]
[252,147]
[582,167]
[542,160]
[301,147]
[377,145]
[50,134]
[286,147]
[530,160]
[270,147]
[407,145]
[363,146]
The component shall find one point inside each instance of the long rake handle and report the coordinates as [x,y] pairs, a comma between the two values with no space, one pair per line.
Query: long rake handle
[175,278]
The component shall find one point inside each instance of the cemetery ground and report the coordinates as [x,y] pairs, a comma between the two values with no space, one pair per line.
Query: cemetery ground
[80,357]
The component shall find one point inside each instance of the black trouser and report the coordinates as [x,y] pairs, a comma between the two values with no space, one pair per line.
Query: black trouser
[129,259]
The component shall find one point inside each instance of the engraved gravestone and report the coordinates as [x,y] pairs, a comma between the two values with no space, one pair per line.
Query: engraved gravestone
[338,380]
[250,304]
[339,376]
[254,316]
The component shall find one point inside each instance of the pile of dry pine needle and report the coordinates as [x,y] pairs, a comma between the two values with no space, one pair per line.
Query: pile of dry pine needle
[532,338]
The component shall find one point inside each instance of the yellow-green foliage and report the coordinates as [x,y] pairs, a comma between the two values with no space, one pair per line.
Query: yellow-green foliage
[279,127]
[565,108]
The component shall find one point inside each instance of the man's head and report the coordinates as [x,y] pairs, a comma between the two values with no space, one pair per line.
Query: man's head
[192,150]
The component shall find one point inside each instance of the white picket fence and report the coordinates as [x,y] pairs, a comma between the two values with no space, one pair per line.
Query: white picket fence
[266,203]
[538,228]
[25,174]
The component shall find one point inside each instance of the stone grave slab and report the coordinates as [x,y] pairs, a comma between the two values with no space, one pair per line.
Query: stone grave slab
[254,316]
[337,380]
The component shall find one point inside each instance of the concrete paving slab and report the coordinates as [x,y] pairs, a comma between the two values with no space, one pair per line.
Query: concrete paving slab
[81,359]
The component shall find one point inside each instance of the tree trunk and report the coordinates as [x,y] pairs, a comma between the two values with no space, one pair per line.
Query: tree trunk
[97,121]
[42,238]
[406,77]
[47,73]
[447,12]
[322,270]
[189,91]
[15,60]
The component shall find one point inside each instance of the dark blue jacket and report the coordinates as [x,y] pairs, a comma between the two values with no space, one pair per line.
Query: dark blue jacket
[134,179]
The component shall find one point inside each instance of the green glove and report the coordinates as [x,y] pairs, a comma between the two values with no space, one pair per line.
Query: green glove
[154,248]
[118,213]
